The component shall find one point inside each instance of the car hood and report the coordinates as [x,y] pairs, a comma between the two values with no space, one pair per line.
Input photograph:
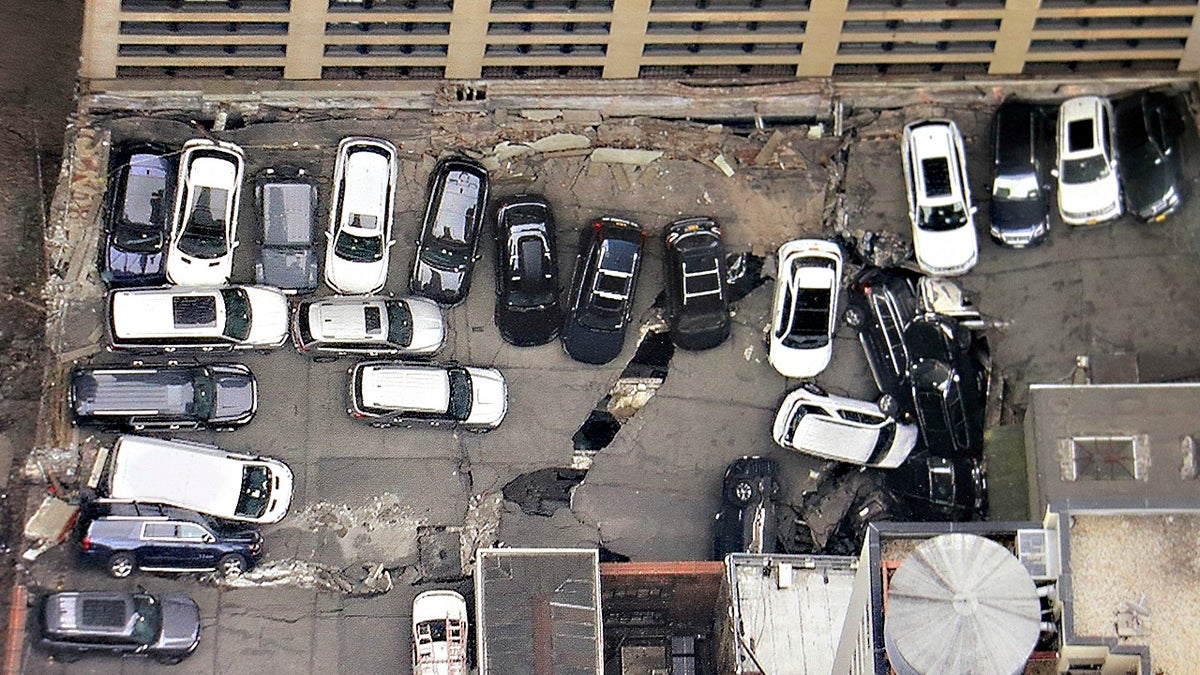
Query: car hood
[236,396]
[489,397]
[528,327]
[288,268]
[1079,198]
[428,326]
[355,278]
[184,270]
[180,623]
[1149,187]
[799,363]
[1018,216]
[268,317]
[952,249]
[124,265]
[447,287]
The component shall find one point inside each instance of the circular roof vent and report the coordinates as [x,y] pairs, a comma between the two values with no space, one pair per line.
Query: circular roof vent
[961,603]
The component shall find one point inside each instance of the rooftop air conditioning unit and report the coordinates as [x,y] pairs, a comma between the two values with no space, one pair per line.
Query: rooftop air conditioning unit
[1038,552]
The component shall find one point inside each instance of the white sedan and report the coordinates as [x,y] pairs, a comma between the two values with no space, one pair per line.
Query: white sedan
[360,224]
[1088,190]
[939,197]
[204,224]
[807,280]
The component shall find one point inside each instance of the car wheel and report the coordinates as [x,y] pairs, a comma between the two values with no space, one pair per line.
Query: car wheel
[324,359]
[813,388]
[742,492]
[67,656]
[169,660]
[232,566]
[854,317]
[121,565]
[888,406]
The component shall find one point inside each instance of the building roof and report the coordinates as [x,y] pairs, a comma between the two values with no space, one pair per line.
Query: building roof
[538,611]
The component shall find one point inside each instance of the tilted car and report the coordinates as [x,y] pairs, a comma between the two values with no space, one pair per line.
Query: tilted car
[948,372]
[1149,127]
[171,397]
[439,633]
[137,215]
[880,304]
[220,483]
[747,522]
[128,536]
[368,326]
[601,299]
[1086,169]
[939,197]
[528,311]
[1019,212]
[204,319]
[286,205]
[446,250]
[804,312]
[941,488]
[204,222]
[697,301]
[394,393]
[842,429]
[165,627]
[360,221]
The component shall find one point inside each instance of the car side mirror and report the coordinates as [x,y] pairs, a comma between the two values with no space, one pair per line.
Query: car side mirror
[208,538]
[1054,172]
[974,209]
[391,243]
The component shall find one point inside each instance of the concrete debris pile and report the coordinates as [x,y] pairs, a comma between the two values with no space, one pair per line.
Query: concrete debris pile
[306,574]
[382,531]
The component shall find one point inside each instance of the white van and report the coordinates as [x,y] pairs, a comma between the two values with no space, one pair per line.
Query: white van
[204,478]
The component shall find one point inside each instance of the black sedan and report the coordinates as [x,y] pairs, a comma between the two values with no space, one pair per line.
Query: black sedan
[1150,154]
[697,309]
[941,488]
[528,311]
[948,372]
[458,195]
[601,302]
[136,216]
[747,522]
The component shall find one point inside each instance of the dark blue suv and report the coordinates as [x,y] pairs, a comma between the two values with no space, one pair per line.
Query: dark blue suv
[125,536]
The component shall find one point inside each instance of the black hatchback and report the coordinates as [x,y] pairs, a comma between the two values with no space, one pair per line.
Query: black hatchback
[528,311]
[137,213]
[697,301]
[169,397]
[458,195]
[601,302]
[1149,127]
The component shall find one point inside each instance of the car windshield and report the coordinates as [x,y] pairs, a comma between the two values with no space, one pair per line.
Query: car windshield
[144,204]
[358,249]
[1014,188]
[1085,170]
[237,313]
[400,322]
[147,619]
[204,394]
[460,394]
[437,629]
[798,415]
[138,240]
[203,234]
[809,320]
[255,493]
[447,255]
[942,218]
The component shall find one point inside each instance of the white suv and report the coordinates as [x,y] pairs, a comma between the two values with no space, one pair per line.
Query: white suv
[842,429]
[1088,190]
[360,223]
[204,225]
[939,197]
[393,393]
[206,319]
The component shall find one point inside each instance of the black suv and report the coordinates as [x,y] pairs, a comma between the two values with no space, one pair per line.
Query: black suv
[697,309]
[165,627]
[137,210]
[528,311]
[601,302]
[948,372]
[747,522]
[941,488]
[881,303]
[124,536]
[458,195]
[163,397]
[1149,127]
[1019,213]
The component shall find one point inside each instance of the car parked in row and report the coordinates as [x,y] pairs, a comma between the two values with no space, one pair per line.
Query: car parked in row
[601,300]
[446,249]
[137,397]
[842,429]
[528,311]
[1086,169]
[439,633]
[360,220]
[394,393]
[286,204]
[747,521]
[804,312]
[205,319]
[939,197]
[368,326]
[128,536]
[1149,130]
[204,478]
[204,222]
[137,215]
[1019,212]
[948,372]
[165,627]
[697,301]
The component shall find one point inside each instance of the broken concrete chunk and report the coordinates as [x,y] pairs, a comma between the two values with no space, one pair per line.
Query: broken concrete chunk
[541,115]
[582,116]
[624,156]
[561,142]
[723,165]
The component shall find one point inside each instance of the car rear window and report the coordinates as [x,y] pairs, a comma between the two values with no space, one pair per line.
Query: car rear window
[194,310]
